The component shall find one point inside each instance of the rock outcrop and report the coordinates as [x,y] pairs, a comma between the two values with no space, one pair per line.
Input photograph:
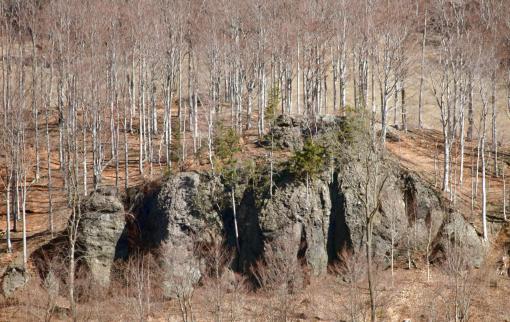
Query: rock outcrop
[181,219]
[101,238]
[14,278]
[290,132]
[458,240]
[408,206]
[319,223]
[327,220]
[306,224]
[299,216]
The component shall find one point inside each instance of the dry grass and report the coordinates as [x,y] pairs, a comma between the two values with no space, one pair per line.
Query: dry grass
[324,299]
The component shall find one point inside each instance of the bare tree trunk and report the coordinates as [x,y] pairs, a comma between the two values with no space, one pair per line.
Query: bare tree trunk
[50,194]
[150,122]
[35,110]
[392,248]
[191,104]
[289,86]
[24,216]
[117,143]
[235,220]
[84,153]
[429,242]
[8,214]
[7,141]
[384,116]
[141,121]
[249,110]
[179,85]
[262,100]
[504,194]
[469,134]
[403,106]
[372,116]
[96,147]
[422,67]
[395,102]
[354,83]
[342,62]
[72,263]
[482,153]
[48,157]
[484,191]
[494,125]
[126,150]
[132,92]
[325,93]
[334,71]
[446,164]
[298,89]
[508,92]
[371,286]
[169,106]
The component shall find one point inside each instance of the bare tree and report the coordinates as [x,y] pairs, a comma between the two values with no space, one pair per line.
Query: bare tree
[389,60]
[460,278]
[351,272]
[372,185]
[279,273]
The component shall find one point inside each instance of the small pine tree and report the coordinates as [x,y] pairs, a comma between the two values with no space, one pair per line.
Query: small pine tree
[310,161]
[272,104]
[226,145]
[176,148]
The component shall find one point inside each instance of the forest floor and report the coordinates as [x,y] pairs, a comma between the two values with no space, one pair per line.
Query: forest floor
[421,151]
[408,294]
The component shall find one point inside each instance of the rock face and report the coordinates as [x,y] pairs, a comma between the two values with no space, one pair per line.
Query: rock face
[101,238]
[459,240]
[309,225]
[424,211]
[299,216]
[327,221]
[318,223]
[408,206]
[14,279]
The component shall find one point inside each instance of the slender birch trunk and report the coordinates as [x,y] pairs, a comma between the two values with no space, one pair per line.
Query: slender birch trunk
[422,68]
[494,125]
[504,194]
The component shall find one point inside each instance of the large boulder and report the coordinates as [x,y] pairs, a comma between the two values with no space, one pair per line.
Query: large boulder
[290,132]
[14,278]
[298,224]
[180,264]
[424,208]
[286,133]
[101,235]
[408,205]
[458,241]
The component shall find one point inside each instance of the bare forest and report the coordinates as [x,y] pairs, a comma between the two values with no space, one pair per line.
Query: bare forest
[254,160]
